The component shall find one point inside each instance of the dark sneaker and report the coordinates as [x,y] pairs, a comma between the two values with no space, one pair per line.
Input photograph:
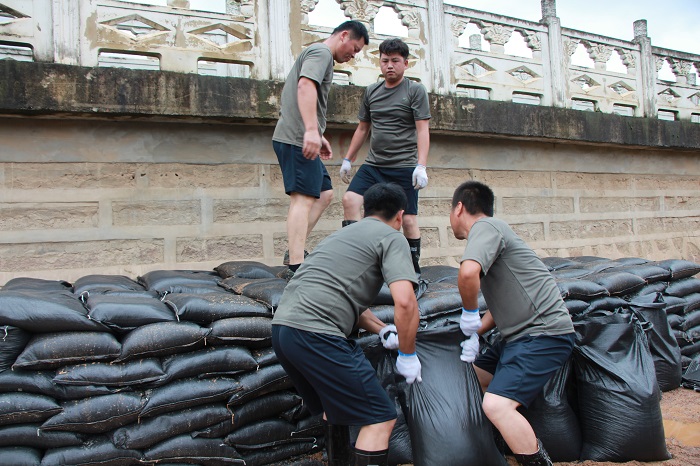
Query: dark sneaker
[285,260]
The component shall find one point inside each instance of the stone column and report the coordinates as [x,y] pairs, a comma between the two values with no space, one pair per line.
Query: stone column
[439,47]
[647,68]
[556,68]
[280,45]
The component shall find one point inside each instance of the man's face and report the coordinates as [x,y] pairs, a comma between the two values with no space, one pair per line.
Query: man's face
[457,229]
[348,47]
[393,67]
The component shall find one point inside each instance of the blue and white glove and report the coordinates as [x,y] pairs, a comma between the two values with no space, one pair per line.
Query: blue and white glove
[470,321]
[345,169]
[420,177]
[390,337]
[470,348]
[408,365]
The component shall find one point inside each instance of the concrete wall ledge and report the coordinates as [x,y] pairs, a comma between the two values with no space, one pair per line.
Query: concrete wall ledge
[32,89]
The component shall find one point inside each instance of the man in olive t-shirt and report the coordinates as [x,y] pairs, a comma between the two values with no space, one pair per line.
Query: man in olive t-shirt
[525,304]
[298,139]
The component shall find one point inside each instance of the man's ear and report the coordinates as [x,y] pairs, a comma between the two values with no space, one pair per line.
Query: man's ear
[399,217]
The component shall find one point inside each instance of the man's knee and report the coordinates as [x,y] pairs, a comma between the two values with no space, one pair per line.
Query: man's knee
[326,198]
[497,407]
[410,227]
[352,202]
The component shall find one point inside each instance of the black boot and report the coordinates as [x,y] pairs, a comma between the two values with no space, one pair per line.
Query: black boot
[540,458]
[348,222]
[371,458]
[338,446]
[414,245]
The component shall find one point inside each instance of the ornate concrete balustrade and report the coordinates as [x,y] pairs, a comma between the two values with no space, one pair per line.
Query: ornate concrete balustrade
[260,38]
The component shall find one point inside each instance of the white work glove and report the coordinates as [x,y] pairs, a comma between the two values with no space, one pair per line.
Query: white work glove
[420,177]
[390,337]
[408,365]
[470,321]
[470,348]
[345,171]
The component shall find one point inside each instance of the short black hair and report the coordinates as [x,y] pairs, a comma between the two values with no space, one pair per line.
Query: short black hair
[476,197]
[356,28]
[384,200]
[395,45]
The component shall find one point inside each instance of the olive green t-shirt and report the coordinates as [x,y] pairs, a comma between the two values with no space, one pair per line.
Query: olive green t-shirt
[342,276]
[521,293]
[316,64]
[393,113]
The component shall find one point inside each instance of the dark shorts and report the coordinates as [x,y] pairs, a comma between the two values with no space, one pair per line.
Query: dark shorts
[300,174]
[368,175]
[332,375]
[522,367]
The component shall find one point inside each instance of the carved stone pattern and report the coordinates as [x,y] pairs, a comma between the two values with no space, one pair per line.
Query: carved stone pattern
[361,10]
[496,33]
[599,53]
[532,38]
[627,58]
[659,62]
[307,6]
[410,19]
[570,46]
[458,26]
[680,67]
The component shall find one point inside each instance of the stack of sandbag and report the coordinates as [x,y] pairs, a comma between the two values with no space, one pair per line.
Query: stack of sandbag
[170,367]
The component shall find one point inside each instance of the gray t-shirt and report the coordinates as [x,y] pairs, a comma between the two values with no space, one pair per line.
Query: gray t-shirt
[521,293]
[316,64]
[393,113]
[342,276]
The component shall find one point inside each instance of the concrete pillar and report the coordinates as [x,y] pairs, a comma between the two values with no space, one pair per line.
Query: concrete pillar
[556,71]
[647,68]
[280,44]
[439,47]
[66,31]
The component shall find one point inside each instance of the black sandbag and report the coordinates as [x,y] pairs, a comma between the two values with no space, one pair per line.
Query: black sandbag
[122,314]
[649,272]
[97,414]
[692,319]
[267,291]
[45,312]
[444,414]
[253,332]
[438,273]
[25,408]
[570,272]
[153,430]
[683,287]
[208,361]
[682,338]
[656,287]
[20,456]
[691,376]
[207,308]
[236,284]
[266,380]
[13,340]
[41,382]
[36,285]
[679,268]
[662,343]
[675,321]
[588,259]
[100,284]
[51,350]
[160,280]
[576,306]
[583,289]
[692,302]
[434,304]
[282,452]
[134,372]
[594,267]
[262,434]
[618,394]
[204,288]
[555,263]
[674,304]
[631,261]
[264,356]
[694,333]
[618,283]
[256,409]
[606,303]
[184,448]
[29,435]
[96,451]
[553,419]
[312,426]
[244,269]
[186,393]
[384,297]
[385,313]
[691,350]
[162,339]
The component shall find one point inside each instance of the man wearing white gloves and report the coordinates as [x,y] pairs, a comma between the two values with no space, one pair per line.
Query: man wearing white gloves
[537,335]
[397,112]
[327,300]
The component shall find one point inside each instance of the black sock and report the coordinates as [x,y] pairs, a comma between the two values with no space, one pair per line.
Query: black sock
[348,222]
[414,245]
[293,267]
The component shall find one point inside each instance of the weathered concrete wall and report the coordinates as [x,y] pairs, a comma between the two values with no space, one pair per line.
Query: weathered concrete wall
[97,177]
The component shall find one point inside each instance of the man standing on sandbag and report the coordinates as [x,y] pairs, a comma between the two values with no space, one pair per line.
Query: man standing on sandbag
[396,112]
[326,301]
[526,306]
[298,138]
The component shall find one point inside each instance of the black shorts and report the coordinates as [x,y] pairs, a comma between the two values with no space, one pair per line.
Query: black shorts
[522,367]
[332,375]
[300,174]
[368,175]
